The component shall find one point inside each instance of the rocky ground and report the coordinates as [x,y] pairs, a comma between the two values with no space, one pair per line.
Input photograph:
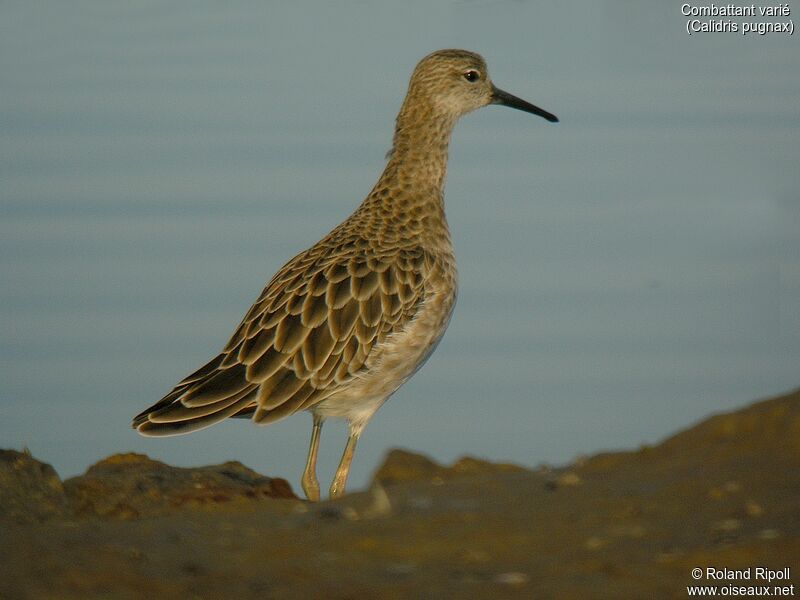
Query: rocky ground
[723,494]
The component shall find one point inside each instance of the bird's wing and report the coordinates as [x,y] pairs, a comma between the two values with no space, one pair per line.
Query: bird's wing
[308,334]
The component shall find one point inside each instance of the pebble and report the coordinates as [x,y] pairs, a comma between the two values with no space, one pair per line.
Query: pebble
[512,578]
[476,556]
[728,525]
[300,509]
[732,486]
[350,513]
[569,479]
[380,505]
[632,531]
[769,534]
[668,556]
[594,543]
[420,502]
[753,508]
[401,568]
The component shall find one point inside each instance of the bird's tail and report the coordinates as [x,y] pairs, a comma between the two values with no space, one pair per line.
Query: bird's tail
[209,395]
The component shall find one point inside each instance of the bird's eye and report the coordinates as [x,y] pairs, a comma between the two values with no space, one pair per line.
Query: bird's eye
[472,76]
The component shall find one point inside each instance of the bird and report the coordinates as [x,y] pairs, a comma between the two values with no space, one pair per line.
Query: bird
[342,325]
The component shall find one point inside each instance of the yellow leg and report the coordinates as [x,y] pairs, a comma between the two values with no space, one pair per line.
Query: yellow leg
[340,479]
[309,481]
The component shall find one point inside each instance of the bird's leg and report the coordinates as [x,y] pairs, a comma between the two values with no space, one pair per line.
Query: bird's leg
[309,481]
[340,479]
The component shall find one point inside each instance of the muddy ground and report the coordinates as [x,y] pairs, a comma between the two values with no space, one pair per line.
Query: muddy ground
[722,494]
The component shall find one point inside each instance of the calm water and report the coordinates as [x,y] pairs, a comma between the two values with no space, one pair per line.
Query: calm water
[623,273]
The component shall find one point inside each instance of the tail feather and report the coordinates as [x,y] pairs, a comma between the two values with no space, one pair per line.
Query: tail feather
[177,411]
[210,394]
[217,385]
[166,401]
[203,372]
[200,421]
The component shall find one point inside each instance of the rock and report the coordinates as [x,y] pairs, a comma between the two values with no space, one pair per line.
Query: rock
[133,485]
[469,465]
[30,490]
[766,428]
[618,525]
[769,424]
[402,465]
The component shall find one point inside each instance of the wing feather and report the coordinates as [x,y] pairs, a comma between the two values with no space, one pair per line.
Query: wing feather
[317,347]
[267,365]
[290,334]
[342,320]
[310,332]
[222,384]
[315,311]
[254,347]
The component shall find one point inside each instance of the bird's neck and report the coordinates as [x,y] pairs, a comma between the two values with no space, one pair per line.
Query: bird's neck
[406,206]
[418,158]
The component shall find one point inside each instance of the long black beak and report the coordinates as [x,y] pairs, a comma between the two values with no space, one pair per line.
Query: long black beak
[506,99]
